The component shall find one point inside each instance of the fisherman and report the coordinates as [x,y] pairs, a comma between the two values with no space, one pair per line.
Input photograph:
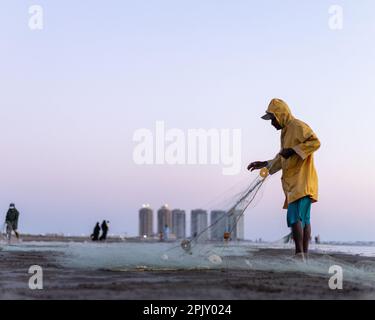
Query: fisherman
[11,221]
[95,234]
[104,230]
[299,177]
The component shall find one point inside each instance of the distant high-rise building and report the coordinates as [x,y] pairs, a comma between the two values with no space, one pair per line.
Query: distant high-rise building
[199,222]
[179,223]
[219,224]
[146,221]
[164,218]
[236,225]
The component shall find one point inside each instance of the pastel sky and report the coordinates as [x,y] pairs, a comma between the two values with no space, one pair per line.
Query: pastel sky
[73,94]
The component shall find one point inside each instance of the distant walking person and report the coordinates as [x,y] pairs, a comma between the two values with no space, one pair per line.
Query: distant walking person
[11,221]
[95,234]
[104,230]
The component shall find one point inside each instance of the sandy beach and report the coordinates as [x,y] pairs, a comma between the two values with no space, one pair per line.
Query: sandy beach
[64,282]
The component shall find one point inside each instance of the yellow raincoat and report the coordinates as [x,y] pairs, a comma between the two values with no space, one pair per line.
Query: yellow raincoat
[299,178]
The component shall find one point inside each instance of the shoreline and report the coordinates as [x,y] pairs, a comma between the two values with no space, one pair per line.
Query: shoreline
[62,282]
[120,239]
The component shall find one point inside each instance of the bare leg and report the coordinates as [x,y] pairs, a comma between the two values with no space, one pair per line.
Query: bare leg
[306,238]
[298,236]
[9,232]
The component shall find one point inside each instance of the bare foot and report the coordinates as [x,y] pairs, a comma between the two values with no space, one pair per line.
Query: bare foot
[300,257]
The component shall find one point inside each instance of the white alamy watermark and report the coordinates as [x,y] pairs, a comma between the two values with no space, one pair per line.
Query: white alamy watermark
[336,17]
[163,146]
[36,280]
[36,17]
[336,281]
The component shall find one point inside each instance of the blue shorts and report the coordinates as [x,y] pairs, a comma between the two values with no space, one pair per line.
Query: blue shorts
[299,211]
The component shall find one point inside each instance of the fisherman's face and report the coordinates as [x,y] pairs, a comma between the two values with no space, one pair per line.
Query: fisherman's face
[275,123]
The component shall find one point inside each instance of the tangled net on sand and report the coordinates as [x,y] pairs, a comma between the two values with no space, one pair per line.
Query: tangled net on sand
[224,226]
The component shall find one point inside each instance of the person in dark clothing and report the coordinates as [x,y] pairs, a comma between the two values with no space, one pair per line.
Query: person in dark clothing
[95,234]
[104,230]
[11,221]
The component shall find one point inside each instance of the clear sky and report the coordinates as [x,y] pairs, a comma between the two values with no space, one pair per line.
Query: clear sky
[73,94]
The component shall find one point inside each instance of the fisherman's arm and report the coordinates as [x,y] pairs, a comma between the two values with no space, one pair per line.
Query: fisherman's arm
[309,142]
[274,165]
[257,165]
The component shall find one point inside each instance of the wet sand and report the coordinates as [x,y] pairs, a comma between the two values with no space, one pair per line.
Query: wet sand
[69,283]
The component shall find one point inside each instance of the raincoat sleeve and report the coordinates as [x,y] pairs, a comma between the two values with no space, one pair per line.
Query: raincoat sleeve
[308,141]
[274,165]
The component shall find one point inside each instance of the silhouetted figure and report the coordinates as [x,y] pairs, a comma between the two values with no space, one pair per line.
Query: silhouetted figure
[11,221]
[104,230]
[95,234]
[317,239]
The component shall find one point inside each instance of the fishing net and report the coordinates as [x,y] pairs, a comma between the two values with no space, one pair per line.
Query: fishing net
[215,245]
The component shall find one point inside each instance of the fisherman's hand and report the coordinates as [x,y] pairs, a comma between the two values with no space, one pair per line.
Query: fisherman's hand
[287,153]
[257,165]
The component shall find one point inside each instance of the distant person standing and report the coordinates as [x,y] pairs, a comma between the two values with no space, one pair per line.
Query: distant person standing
[11,221]
[104,230]
[317,239]
[96,232]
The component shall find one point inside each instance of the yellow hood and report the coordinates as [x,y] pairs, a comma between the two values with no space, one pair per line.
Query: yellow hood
[281,110]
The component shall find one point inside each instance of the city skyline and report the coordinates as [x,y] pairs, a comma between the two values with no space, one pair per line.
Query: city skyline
[219,223]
